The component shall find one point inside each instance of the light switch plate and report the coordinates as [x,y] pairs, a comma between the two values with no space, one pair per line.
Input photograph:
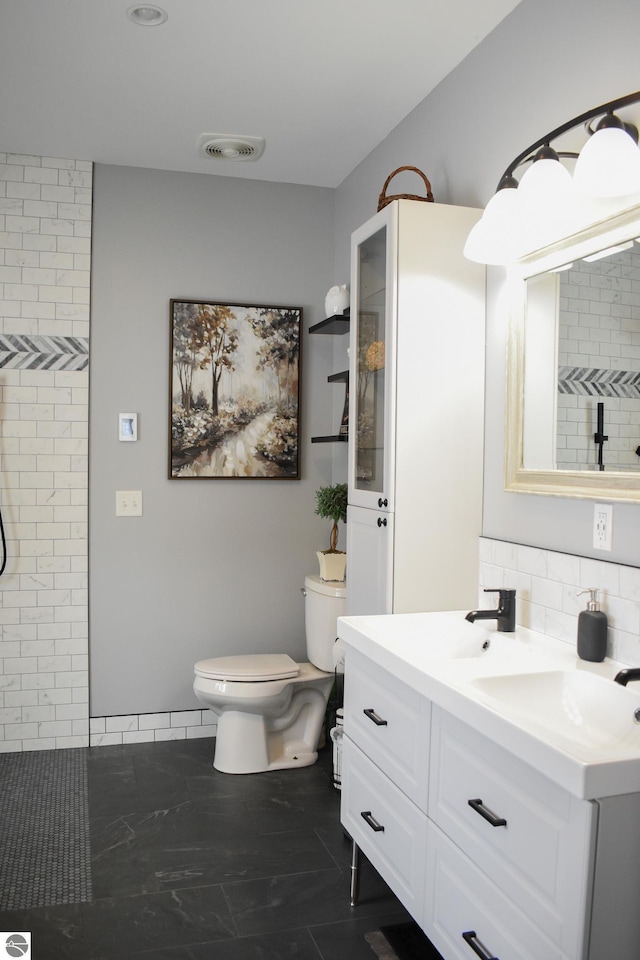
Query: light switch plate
[128,503]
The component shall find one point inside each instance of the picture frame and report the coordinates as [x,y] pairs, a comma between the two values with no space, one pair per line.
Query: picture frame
[234,390]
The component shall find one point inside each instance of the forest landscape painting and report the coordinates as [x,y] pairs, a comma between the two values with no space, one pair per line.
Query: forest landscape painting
[234,390]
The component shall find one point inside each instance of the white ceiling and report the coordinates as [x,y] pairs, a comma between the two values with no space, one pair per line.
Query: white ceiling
[323,83]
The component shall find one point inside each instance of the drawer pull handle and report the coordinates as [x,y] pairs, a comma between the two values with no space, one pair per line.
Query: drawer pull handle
[382,522]
[471,937]
[379,722]
[383,503]
[366,816]
[488,815]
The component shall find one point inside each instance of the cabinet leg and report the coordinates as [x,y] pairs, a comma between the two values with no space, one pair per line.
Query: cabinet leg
[355,873]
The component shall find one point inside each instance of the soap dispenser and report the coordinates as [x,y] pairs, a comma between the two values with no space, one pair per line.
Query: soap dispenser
[592,630]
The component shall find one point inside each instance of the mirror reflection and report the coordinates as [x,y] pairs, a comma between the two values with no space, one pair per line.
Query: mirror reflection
[582,364]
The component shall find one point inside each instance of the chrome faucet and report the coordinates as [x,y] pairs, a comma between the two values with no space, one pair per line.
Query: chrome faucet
[505,613]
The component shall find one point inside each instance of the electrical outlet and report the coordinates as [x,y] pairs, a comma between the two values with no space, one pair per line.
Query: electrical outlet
[602,526]
[128,503]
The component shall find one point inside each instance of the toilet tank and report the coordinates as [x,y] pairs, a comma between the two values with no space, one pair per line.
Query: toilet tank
[324,602]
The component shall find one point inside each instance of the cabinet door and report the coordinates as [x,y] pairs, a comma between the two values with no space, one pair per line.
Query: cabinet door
[390,723]
[372,362]
[467,916]
[529,836]
[369,561]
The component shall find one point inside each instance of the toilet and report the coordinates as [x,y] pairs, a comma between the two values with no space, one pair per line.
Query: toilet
[269,708]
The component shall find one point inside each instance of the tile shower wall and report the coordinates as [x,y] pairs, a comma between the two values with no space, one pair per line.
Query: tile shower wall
[45,252]
[599,361]
[547,585]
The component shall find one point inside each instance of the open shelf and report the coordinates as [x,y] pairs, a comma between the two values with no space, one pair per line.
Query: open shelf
[332,325]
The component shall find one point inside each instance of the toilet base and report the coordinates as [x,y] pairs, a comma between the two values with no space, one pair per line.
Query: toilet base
[253,743]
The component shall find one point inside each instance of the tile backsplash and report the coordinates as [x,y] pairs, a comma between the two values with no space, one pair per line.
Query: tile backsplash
[548,584]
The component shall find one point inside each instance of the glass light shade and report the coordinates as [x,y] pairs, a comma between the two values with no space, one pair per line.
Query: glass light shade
[549,204]
[495,237]
[608,165]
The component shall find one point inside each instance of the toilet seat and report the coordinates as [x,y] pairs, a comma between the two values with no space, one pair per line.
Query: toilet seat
[248,668]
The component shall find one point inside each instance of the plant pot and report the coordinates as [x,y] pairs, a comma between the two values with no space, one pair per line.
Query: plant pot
[332,564]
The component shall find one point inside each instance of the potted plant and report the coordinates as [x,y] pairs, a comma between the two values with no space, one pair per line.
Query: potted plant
[331,502]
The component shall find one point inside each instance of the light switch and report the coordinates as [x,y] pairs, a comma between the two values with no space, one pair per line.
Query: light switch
[128,503]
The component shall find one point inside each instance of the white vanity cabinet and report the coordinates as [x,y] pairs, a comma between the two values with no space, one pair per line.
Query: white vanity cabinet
[532,841]
[416,399]
[491,857]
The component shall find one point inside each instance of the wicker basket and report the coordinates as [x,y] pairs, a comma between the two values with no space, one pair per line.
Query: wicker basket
[383,199]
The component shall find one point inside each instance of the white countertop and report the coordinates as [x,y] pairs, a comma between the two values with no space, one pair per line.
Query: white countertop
[529,693]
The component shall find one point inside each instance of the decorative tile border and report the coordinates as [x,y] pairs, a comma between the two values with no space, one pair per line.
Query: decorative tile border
[592,382]
[19,352]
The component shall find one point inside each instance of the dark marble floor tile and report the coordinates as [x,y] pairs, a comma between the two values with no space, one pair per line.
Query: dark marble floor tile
[183,762]
[109,928]
[288,945]
[273,783]
[129,852]
[116,797]
[337,844]
[242,857]
[278,903]
[345,940]
[300,810]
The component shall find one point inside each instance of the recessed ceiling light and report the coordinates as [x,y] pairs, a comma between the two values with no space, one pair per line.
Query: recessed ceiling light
[147,15]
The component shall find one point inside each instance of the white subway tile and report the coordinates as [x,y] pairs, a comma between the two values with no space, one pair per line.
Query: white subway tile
[40,175]
[114,724]
[105,739]
[186,718]
[175,733]
[208,730]
[138,736]
[154,721]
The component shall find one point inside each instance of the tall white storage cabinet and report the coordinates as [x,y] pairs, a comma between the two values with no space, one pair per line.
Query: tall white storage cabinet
[416,411]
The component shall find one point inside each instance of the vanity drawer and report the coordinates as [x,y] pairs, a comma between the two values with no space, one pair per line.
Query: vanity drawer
[388,828]
[533,839]
[390,722]
[461,901]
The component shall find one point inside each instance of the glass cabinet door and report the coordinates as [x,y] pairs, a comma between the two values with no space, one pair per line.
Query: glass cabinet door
[369,354]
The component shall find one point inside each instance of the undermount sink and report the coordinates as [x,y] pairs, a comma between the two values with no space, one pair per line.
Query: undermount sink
[588,712]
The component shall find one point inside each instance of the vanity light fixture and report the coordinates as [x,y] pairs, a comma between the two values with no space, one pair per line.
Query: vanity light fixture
[147,15]
[549,203]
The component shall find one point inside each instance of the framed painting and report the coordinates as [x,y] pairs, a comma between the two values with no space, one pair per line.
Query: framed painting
[234,391]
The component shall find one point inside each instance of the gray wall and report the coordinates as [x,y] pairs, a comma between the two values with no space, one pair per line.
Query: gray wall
[213,566]
[544,64]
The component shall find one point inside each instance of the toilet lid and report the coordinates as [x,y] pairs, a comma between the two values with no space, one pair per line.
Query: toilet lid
[249,667]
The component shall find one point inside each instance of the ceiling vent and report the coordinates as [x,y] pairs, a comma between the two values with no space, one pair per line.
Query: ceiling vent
[229,147]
